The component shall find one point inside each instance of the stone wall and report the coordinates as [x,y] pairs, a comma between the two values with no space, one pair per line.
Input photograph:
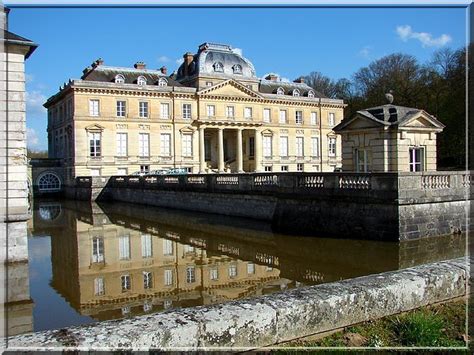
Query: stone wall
[281,317]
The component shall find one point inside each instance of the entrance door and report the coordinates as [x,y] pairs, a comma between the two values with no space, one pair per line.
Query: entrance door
[207,149]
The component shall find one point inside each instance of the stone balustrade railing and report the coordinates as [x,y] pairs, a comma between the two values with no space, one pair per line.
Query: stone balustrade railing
[403,187]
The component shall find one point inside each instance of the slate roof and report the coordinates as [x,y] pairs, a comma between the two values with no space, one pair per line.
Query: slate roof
[106,73]
[13,38]
[271,87]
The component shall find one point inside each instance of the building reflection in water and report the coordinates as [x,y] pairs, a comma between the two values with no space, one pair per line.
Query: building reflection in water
[118,260]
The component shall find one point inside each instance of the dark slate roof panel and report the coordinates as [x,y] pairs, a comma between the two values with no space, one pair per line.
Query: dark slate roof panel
[11,37]
[271,87]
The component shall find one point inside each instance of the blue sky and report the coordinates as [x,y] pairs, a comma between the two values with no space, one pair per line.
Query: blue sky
[287,41]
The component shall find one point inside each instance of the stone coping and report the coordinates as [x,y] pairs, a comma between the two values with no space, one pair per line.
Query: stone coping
[262,321]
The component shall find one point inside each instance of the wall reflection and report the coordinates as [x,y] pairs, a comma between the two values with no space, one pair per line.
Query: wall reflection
[117,260]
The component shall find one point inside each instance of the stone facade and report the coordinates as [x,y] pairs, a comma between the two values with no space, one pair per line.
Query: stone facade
[205,120]
[389,138]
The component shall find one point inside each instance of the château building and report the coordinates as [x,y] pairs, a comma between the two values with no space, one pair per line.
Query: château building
[213,114]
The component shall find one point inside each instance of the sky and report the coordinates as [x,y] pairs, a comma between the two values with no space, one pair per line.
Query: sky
[292,42]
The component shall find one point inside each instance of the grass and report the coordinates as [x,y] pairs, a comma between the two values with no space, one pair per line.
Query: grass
[442,325]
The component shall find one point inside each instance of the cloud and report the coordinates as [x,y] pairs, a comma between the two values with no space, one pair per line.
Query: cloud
[34,102]
[163,59]
[32,138]
[426,39]
[365,52]
[29,78]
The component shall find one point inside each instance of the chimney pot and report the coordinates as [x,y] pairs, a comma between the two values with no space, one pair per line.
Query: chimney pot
[164,70]
[139,65]
[299,80]
[271,77]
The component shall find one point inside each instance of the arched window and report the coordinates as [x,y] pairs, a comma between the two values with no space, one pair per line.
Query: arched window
[49,212]
[119,79]
[280,91]
[141,80]
[237,69]
[162,82]
[296,92]
[49,182]
[218,67]
[310,93]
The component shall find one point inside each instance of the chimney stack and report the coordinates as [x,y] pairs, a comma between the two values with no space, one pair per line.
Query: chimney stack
[139,65]
[97,62]
[164,70]
[271,77]
[188,58]
[299,80]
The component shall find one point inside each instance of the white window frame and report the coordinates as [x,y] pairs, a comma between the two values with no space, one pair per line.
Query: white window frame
[95,144]
[331,119]
[332,142]
[165,144]
[214,274]
[94,107]
[98,253]
[284,146]
[143,109]
[283,117]
[230,111]
[168,247]
[162,82]
[147,245]
[315,147]
[144,145]
[168,277]
[250,268]
[187,111]
[248,113]
[141,80]
[280,91]
[121,108]
[311,93]
[99,286]
[232,271]
[124,247]
[299,167]
[119,79]
[267,143]
[126,283]
[165,110]
[267,115]
[314,118]
[299,147]
[187,145]
[122,143]
[296,92]
[211,111]
[190,274]
[284,168]
[147,280]
[299,117]
[413,163]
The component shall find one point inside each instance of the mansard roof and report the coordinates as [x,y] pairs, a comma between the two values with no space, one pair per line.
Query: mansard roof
[104,73]
[271,87]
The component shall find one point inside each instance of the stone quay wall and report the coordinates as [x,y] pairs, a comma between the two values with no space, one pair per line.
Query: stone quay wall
[382,206]
[281,317]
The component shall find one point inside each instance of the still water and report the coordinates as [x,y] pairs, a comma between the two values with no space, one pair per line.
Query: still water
[91,262]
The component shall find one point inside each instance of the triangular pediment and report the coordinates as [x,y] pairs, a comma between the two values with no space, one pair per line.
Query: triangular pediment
[229,88]
[357,122]
[187,129]
[95,128]
[422,120]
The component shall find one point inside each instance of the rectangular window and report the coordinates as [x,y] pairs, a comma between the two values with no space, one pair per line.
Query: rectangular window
[299,147]
[266,115]
[314,146]
[282,116]
[284,168]
[121,144]
[165,144]
[268,168]
[251,147]
[208,83]
[332,147]
[99,288]
[299,167]
[250,268]
[168,277]
[331,119]
[167,247]
[211,111]
[126,283]
[95,144]
[124,247]
[361,160]
[248,112]
[314,118]
[299,117]
[165,110]
[417,159]
[97,249]
[187,145]
[267,146]
[145,169]
[147,280]
[94,107]
[190,274]
[122,171]
[284,146]
[232,271]
[121,106]
[94,172]
[143,109]
[230,113]
[147,247]
[187,111]
[214,274]
[143,145]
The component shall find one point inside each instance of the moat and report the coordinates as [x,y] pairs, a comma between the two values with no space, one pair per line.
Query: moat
[90,262]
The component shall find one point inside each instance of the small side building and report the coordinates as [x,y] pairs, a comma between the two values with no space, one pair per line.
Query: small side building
[389,138]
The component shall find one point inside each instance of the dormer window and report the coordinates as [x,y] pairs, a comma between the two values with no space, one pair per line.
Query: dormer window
[218,67]
[237,69]
[310,93]
[119,79]
[162,82]
[296,92]
[280,91]
[141,80]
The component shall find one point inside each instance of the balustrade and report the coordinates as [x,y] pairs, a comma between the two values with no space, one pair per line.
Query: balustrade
[314,181]
[227,180]
[354,182]
[434,182]
[265,180]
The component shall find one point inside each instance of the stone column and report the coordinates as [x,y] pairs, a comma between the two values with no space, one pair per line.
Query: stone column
[258,151]
[220,149]
[239,157]
[202,155]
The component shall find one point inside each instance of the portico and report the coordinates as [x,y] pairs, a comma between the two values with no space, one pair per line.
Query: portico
[226,146]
